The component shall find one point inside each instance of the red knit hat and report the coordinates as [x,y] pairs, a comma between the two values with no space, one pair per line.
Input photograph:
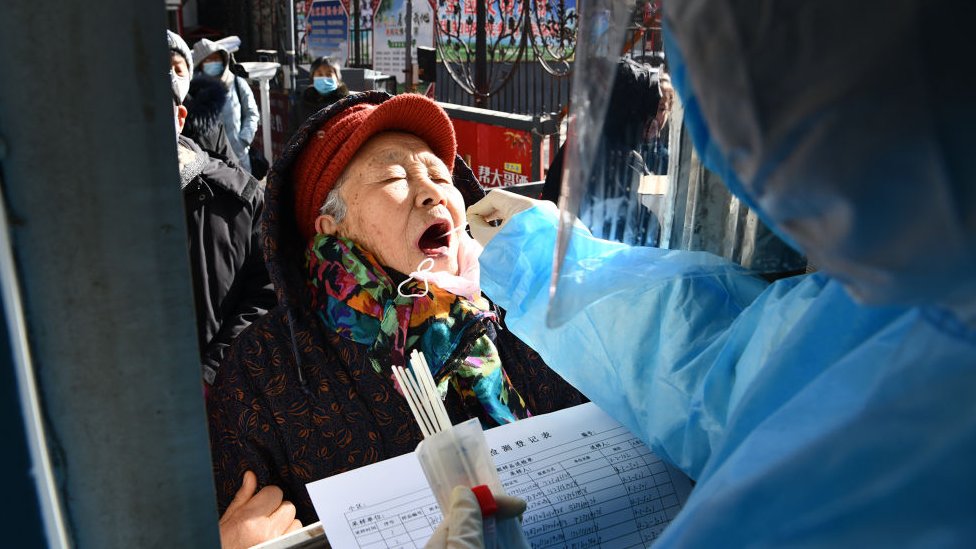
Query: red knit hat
[330,150]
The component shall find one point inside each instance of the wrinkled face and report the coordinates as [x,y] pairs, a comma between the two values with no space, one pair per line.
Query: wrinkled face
[401,204]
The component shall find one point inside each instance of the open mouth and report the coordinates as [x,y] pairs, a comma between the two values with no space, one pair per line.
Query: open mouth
[436,239]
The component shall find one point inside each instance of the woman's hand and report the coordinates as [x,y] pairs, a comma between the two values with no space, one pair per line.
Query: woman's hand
[252,518]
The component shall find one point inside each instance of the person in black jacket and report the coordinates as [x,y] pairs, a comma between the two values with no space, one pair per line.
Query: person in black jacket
[204,102]
[231,286]
[204,124]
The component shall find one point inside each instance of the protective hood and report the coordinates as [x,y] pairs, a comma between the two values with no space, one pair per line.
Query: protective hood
[204,48]
[848,127]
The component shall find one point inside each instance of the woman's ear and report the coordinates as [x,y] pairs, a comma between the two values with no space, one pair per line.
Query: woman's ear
[181,113]
[326,224]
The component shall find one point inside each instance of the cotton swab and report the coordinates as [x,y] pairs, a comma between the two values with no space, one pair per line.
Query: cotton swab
[423,414]
[421,372]
[432,392]
[454,230]
[417,376]
[422,395]
[451,456]
[426,413]
[411,401]
[428,406]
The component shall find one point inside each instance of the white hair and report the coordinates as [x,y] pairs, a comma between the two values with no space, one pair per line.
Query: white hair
[334,205]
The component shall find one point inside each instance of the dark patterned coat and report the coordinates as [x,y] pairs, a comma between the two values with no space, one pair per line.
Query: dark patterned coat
[311,101]
[295,403]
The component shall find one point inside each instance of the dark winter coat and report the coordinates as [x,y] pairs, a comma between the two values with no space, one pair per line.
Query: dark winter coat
[231,286]
[204,125]
[295,403]
[312,101]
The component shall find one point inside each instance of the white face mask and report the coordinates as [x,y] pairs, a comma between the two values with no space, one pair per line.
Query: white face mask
[182,84]
[175,83]
[421,274]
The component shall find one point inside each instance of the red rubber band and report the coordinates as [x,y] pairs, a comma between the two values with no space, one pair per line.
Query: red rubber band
[485,500]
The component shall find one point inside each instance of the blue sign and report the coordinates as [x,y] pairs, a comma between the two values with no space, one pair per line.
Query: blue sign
[328,30]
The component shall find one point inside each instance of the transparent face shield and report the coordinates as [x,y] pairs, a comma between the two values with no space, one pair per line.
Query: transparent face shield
[631,174]
[611,181]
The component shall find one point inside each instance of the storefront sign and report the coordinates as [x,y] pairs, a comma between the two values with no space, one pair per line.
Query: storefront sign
[327,25]
[390,34]
[498,156]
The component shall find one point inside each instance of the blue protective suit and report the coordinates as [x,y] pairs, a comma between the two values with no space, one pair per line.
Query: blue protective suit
[806,418]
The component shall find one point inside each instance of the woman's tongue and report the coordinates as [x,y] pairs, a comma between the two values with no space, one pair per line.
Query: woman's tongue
[435,240]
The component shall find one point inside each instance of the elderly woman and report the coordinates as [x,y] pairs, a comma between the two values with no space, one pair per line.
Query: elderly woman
[367,191]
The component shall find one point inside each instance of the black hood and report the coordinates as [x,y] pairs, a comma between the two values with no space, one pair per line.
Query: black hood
[633,104]
[204,103]
[284,247]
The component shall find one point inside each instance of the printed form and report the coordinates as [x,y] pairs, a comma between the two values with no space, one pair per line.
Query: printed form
[588,482]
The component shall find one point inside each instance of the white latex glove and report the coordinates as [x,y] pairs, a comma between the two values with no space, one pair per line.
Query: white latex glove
[499,205]
[462,527]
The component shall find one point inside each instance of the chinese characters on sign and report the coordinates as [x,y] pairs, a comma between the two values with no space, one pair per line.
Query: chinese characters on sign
[389,34]
[327,29]
[498,156]
[492,177]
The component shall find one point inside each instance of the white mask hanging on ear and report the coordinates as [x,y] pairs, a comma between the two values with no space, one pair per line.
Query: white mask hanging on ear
[420,274]
[467,283]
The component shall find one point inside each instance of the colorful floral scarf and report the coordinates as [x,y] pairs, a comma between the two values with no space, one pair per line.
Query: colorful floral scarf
[353,295]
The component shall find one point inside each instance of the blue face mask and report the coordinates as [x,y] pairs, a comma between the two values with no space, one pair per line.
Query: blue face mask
[213,68]
[325,84]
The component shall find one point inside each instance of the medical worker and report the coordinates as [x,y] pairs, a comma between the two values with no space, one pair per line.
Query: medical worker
[831,410]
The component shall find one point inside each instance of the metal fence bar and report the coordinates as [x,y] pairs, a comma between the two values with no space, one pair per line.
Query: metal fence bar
[531,91]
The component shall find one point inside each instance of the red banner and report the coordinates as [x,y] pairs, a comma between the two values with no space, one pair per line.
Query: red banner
[498,156]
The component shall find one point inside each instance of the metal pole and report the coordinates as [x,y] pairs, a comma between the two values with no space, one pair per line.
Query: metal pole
[356,33]
[99,239]
[266,118]
[407,47]
[292,64]
[481,55]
